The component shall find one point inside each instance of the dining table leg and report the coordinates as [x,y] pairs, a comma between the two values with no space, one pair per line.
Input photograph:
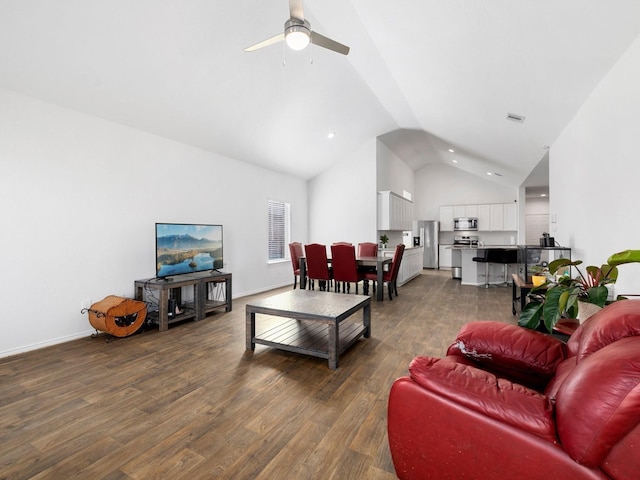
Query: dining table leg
[379,281]
[303,274]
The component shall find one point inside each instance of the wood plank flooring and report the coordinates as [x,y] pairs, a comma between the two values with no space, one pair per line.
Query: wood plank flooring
[191,403]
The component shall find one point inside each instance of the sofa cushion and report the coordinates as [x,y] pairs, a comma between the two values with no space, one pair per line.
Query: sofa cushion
[599,402]
[615,321]
[484,393]
[519,353]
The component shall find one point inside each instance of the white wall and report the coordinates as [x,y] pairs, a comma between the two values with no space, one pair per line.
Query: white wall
[342,200]
[438,184]
[393,174]
[80,197]
[536,206]
[593,173]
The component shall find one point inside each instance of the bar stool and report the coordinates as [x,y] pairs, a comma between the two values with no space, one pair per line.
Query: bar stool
[484,259]
[491,255]
[509,256]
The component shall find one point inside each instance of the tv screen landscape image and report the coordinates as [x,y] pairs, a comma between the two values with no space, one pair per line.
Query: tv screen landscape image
[187,248]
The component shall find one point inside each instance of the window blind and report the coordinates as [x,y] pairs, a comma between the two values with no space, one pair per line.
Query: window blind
[278,230]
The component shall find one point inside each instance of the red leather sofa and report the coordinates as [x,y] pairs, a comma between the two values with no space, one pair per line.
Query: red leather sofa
[507,402]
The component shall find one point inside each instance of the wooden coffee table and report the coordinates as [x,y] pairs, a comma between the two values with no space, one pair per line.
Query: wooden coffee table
[316,324]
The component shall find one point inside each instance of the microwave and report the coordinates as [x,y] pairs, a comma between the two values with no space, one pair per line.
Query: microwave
[465,224]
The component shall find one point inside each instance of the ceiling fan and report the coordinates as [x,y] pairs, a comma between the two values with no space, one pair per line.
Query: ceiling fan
[298,34]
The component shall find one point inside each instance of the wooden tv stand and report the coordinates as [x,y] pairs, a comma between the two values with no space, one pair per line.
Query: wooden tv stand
[172,289]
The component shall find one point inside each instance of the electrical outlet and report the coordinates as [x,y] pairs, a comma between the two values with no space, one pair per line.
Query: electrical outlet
[86,303]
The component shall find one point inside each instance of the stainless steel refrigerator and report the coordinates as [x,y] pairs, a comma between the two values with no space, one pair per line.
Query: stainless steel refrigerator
[425,234]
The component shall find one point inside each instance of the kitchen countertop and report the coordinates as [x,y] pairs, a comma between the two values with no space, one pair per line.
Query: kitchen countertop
[484,247]
[393,249]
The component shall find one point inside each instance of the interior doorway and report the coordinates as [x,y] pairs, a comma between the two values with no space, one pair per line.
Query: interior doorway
[536,207]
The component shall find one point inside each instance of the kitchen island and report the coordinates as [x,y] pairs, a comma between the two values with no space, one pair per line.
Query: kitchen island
[411,264]
[473,273]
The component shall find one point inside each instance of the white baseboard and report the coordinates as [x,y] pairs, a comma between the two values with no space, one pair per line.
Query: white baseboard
[46,343]
[75,336]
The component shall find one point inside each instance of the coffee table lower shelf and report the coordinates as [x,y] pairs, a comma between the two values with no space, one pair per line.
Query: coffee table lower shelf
[309,338]
[313,323]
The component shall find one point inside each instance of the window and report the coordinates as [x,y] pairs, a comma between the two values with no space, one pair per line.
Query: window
[278,230]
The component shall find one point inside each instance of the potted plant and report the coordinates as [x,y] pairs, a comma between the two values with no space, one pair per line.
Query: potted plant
[559,298]
[384,240]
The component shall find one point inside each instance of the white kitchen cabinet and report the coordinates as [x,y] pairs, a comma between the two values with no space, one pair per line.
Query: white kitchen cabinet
[465,211]
[491,217]
[394,212]
[484,217]
[446,218]
[471,211]
[411,264]
[444,256]
[497,216]
[504,217]
[459,211]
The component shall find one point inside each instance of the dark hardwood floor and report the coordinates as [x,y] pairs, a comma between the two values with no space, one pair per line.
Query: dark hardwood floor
[191,403]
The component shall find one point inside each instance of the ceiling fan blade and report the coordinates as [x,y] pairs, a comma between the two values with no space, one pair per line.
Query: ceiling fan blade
[325,42]
[265,43]
[295,9]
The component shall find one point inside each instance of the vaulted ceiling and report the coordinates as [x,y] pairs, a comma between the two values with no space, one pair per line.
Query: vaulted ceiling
[424,76]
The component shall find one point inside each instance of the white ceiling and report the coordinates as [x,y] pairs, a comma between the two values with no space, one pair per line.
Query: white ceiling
[423,75]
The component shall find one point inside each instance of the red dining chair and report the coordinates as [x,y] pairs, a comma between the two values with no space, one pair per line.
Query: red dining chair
[367,249]
[389,277]
[295,251]
[342,243]
[345,268]
[318,265]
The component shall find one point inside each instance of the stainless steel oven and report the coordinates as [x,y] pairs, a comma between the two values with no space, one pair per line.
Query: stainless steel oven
[461,224]
[465,240]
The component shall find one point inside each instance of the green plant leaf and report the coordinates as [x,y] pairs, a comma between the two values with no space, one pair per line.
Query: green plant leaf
[556,300]
[598,295]
[570,309]
[562,262]
[610,272]
[530,315]
[626,256]
[566,281]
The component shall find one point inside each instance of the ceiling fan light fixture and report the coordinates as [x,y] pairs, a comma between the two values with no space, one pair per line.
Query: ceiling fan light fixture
[297,35]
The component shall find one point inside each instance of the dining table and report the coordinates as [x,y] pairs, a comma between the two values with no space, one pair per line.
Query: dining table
[379,262]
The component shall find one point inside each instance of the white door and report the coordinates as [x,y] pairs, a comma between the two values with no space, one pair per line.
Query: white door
[535,225]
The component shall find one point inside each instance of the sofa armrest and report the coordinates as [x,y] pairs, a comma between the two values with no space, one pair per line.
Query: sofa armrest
[521,354]
[433,437]
[481,391]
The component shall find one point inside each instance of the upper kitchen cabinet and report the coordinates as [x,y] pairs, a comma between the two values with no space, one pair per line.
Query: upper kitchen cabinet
[497,217]
[484,217]
[465,211]
[511,217]
[449,212]
[394,212]
[503,217]
[491,217]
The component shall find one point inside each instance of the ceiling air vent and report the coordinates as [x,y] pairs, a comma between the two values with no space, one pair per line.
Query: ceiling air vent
[515,118]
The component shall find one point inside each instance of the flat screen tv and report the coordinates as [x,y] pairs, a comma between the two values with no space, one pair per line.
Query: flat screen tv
[187,248]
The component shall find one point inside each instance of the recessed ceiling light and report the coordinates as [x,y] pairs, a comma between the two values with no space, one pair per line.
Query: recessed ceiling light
[543,194]
[331,134]
[454,160]
[451,150]
[489,173]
